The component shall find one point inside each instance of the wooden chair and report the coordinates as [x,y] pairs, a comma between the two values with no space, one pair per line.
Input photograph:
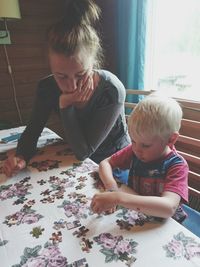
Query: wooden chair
[188,144]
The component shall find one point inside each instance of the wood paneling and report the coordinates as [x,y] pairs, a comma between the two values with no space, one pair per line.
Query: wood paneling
[28,59]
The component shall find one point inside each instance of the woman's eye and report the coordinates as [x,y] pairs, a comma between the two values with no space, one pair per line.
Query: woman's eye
[60,77]
[80,77]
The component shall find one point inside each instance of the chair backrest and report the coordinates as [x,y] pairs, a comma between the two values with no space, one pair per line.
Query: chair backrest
[188,144]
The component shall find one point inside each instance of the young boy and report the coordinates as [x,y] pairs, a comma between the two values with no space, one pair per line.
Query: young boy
[158,175]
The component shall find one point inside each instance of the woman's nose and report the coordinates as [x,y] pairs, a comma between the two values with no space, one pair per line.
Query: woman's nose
[72,84]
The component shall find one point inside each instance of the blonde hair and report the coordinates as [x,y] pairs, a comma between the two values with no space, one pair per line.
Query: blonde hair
[156,115]
[74,33]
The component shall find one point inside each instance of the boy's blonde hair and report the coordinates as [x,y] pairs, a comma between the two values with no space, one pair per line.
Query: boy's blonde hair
[156,115]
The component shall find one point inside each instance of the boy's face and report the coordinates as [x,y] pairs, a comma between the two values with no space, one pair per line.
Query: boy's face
[148,148]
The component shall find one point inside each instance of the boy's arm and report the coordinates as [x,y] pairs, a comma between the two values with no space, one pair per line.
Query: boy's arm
[163,206]
[160,206]
[106,175]
[121,159]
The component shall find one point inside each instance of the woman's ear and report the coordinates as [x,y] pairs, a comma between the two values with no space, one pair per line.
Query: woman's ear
[172,139]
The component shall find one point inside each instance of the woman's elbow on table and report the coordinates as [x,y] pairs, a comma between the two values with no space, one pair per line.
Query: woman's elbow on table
[81,156]
[82,153]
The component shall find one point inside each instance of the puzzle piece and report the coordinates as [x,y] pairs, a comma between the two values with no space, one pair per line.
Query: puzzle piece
[29,204]
[59,194]
[56,237]
[82,179]
[59,224]
[81,231]
[20,200]
[86,244]
[82,200]
[37,231]
[129,262]
[45,165]
[80,186]
[76,195]
[78,263]
[25,180]
[46,192]
[124,225]
[68,173]
[94,175]
[72,225]
[41,182]
[48,199]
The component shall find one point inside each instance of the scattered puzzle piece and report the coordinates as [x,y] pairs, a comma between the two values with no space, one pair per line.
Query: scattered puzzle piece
[72,225]
[20,200]
[37,231]
[46,192]
[29,204]
[81,231]
[82,179]
[41,182]
[80,186]
[86,244]
[56,237]
[78,263]
[49,199]
[59,224]
[123,224]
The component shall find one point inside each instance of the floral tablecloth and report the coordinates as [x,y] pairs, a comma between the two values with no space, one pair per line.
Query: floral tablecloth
[46,220]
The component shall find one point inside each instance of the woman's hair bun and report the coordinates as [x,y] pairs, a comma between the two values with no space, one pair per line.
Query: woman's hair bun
[79,12]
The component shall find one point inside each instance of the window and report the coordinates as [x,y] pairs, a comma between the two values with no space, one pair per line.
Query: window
[173,48]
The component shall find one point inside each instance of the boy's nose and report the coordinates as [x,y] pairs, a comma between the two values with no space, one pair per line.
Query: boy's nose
[138,149]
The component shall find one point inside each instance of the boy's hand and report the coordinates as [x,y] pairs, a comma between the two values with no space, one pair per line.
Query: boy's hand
[104,202]
[13,165]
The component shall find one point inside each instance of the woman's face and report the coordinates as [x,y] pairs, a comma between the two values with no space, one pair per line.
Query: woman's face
[69,71]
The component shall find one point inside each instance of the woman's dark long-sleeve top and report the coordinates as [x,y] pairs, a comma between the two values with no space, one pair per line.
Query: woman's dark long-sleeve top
[97,130]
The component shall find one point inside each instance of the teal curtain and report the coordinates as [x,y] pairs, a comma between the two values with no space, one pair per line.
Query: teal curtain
[131,27]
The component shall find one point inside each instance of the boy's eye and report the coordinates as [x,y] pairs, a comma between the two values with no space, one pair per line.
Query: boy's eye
[145,146]
[142,145]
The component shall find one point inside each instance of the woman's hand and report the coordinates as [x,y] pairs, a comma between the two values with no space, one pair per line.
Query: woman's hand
[13,165]
[81,95]
[104,202]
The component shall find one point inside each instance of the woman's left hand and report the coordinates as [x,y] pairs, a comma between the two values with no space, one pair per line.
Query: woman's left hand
[81,95]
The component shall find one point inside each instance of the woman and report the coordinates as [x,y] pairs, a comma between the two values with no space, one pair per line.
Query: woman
[90,101]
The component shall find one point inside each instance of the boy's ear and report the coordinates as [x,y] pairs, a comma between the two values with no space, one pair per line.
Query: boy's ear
[173,138]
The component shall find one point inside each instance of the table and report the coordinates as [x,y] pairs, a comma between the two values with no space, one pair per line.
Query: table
[46,220]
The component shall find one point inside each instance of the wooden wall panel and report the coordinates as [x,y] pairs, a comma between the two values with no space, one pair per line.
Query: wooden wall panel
[27,56]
